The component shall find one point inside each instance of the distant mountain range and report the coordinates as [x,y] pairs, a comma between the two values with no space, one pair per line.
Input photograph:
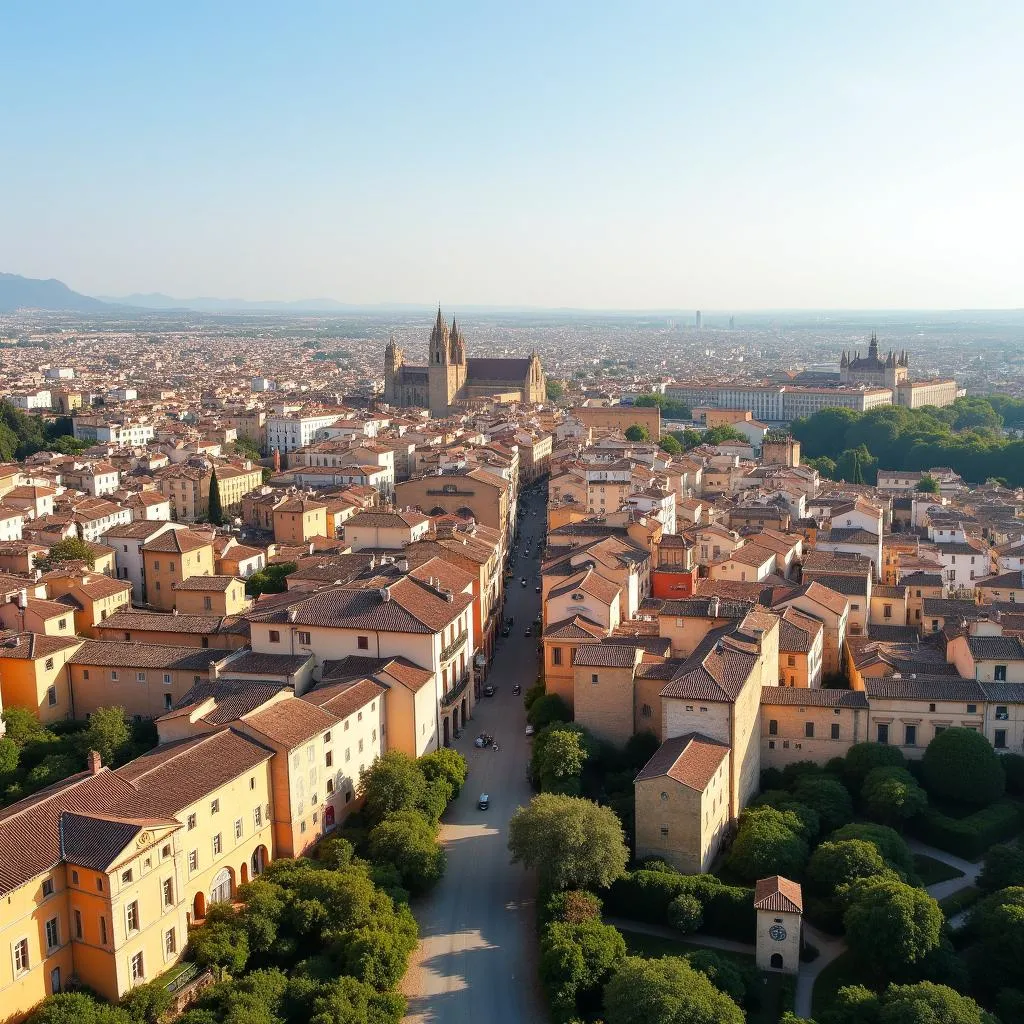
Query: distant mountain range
[204,304]
[30,293]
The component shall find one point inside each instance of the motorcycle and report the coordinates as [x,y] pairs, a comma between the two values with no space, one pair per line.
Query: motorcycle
[517,689]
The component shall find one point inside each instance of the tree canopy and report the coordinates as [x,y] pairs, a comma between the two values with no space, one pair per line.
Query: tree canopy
[573,843]
[960,764]
[71,549]
[892,795]
[636,433]
[769,841]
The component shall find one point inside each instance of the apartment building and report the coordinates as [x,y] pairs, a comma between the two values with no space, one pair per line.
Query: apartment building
[127,541]
[171,557]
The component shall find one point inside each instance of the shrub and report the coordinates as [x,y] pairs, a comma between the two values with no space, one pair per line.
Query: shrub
[392,783]
[769,841]
[969,837]
[828,797]
[722,973]
[547,709]
[445,763]
[892,795]
[783,800]
[1013,768]
[685,913]
[574,907]
[838,863]
[890,844]
[1003,867]
[642,991]
[861,758]
[408,841]
[575,961]
[998,921]
[961,765]
[148,1003]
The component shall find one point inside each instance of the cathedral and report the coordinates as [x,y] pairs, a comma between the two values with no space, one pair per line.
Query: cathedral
[449,378]
[872,371]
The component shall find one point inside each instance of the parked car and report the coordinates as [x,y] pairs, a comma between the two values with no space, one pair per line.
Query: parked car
[528,631]
[529,730]
[523,581]
[484,802]
[537,588]
[488,691]
[516,690]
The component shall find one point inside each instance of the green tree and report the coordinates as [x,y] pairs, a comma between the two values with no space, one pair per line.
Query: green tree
[557,761]
[823,464]
[721,972]
[637,433]
[927,485]
[686,913]
[9,754]
[148,1003]
[77,1008]
[555,389]
[1003,867]
[394,782]
[215,510]
[890,926]
[998,922]
[828,797]
[573,843]
[892,795]
[769,841]
[575,962]
[271,580]
[548,708]
[21,726]
[670,445]
[931,1003]
[221,944]
[835,864]
[109,734]
[861,758]
[71,549]
[960,764]
[445,763]
[889,843]
[665,991]
[408,841]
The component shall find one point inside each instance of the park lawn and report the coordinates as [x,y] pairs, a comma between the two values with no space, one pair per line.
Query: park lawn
[842,971]
[931,870]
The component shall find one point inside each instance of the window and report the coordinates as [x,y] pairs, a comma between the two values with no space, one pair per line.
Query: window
[192,821]
[140,677]
[972,709]
[593,678]
[939,728]
[85,673]
[257,816]
[883,732]
[21,956]
[156,564]
[238,828]
[167,679]
[809,730]
[170,942]
[910,736]
[664,830]
[931,707]
[49,662]
[275,636]
[330,786]
[887,611]
[103,931]
[329,758]
[835,730]
[78,923]
[1000,739]
[363,643]
[52,933]
[51,696]
[132,916]
[218,846]
[126,877]
[193,861]
[646,711]
[215,806]
[74,878]
[360,746]
[327,735]
[168,702]
[170,566]
[137,972]
[47,887]
[62,623]
[113,675]
[304,638]
[773,727]
[99,885]
[1000,674]
[207,603]
[348,751]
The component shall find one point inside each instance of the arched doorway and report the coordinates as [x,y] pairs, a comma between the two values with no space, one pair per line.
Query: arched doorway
[455,719]
[776,962]
[258,861]
[447,728]
[464,715]
[244,874]
[199,907]
[220,888]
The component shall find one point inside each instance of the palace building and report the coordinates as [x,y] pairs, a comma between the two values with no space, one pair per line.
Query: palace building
[450,378]
[872,370]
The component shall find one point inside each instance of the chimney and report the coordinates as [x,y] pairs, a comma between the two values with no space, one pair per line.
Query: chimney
[714,607]
[23,599]
[95,762]
[385,593]
[402,564]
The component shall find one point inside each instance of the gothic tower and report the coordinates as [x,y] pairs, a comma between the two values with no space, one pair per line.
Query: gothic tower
[394,357]
[442,372]
[458,360]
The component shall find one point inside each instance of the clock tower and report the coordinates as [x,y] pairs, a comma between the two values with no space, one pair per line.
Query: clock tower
[780,906]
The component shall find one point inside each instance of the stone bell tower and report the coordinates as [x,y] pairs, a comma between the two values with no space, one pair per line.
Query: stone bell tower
[444,369]
[780,906]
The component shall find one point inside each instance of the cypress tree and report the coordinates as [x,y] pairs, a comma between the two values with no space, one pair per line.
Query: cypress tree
[216,513]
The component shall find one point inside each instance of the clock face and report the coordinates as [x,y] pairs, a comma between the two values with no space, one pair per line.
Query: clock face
[777,932]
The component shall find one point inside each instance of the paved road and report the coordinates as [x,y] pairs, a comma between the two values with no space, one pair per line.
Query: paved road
[476,958]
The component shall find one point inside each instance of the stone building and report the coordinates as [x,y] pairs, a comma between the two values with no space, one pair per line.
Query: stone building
[873,371]
[450,377]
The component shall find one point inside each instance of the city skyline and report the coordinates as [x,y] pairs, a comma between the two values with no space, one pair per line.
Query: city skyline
[666,159]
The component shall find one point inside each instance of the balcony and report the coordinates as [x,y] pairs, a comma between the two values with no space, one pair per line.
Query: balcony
[452,649]
[456,691]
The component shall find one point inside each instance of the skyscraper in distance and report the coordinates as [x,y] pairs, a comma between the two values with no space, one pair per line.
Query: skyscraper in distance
[698,320]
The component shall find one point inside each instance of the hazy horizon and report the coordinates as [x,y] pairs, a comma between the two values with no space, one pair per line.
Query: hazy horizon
[659,158]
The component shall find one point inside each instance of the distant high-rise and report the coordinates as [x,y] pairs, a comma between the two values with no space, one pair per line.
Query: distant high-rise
[732,322]
[698,320]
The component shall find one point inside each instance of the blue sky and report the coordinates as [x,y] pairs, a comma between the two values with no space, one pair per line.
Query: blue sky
[609,155]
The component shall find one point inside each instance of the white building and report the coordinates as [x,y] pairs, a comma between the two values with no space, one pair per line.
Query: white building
[288,433]
[28,400]
[127,541]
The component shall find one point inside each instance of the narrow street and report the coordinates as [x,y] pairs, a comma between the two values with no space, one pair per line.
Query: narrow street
[476,959]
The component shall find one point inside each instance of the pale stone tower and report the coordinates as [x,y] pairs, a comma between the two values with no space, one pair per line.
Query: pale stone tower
[394,357]
[780,906]
[442,371]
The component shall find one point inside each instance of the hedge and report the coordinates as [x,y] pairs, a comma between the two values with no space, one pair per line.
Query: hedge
[646,895]
[969,837]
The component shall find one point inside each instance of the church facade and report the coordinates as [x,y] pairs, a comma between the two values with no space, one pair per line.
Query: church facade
[450,378]
[872,371]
